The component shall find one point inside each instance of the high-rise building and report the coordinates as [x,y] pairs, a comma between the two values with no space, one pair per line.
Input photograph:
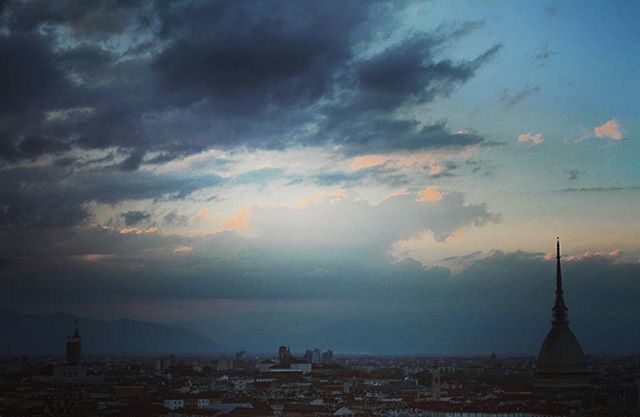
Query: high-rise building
[307,355]
[312,356]
[561,364]
[327,357]
[284,355]
[74,345]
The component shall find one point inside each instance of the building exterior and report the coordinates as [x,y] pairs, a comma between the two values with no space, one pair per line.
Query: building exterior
[74,348]
[561,364]
[327,357]
[312,356]
[72,372]
[284,355]
[224,364]
[301,366]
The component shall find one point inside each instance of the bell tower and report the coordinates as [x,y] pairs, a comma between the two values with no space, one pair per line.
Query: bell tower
[74,344]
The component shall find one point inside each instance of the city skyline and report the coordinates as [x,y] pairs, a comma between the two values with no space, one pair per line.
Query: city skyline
[383,177]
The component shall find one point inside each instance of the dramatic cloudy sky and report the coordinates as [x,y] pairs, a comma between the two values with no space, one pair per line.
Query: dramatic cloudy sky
[363,176]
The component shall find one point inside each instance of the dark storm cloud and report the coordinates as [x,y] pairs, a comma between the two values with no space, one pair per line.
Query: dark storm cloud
[86,19]
[32,148]
[112,186]
[370,133]
[62,98]
[502,301]
[28,73]
[132,218]
[224,74]
[173,218]
[32,198]
[409,72]
[56,197]
[133,161]
[153,81]
[250,59]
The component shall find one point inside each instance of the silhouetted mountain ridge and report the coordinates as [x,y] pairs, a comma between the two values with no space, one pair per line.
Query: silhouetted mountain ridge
[31,334]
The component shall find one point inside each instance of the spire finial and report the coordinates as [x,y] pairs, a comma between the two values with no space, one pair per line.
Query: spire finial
[559,308]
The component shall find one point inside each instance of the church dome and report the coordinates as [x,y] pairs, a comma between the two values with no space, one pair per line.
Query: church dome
[561,363]
[561,349]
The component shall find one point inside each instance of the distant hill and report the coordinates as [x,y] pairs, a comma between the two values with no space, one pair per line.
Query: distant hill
[28,334]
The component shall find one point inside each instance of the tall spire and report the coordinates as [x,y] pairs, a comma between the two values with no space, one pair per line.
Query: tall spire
[559,308]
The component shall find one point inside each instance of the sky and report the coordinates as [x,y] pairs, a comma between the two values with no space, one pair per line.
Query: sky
[366,176]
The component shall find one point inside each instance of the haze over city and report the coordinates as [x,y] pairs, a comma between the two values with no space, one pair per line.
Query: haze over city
[362,176]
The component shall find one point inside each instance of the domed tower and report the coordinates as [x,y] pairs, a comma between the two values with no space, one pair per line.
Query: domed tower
[561,364]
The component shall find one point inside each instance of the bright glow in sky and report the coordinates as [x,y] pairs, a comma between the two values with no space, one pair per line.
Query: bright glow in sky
[220,160]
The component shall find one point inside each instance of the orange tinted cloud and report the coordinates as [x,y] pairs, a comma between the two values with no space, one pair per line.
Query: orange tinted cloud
[398,193]
[586,255]
[536,138]
[598,254]
[310,199]
[241,221]
[138,230]
[430,194]
[457,234]
[367,161]
[435,170]
[183,249]
[320,197]
[96,257]
[611,130]
[338,194]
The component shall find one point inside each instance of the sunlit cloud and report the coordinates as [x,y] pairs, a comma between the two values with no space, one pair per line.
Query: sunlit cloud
[586,255]
[241,221]
[320,197]
[430,194]
[457,234]
[367,161]
[398,193]
[610,129]
[535,138]
[433,159]
[183,249]
[138,230]
[435,170]
[96,257]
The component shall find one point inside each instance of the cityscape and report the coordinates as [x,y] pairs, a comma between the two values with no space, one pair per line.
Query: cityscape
[561,381]
[319,208]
